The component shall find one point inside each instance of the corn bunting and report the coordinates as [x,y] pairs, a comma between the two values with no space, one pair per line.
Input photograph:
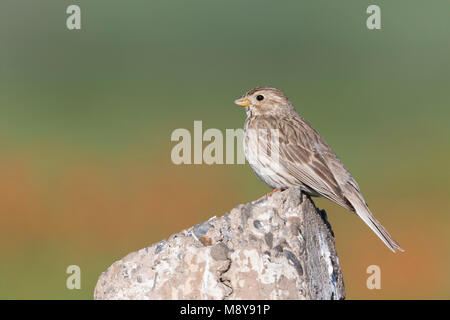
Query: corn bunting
[285,151]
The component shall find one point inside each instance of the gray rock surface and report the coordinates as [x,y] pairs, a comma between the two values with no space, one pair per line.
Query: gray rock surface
[280,247]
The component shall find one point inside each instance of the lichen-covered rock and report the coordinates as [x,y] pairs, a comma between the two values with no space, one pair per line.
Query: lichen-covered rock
[281,247]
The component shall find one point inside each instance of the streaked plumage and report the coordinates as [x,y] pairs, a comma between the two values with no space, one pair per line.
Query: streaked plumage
[285,151]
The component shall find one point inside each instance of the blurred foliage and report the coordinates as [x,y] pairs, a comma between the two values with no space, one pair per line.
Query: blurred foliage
[86,118]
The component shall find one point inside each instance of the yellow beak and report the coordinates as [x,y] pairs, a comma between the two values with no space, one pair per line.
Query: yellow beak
[243,102]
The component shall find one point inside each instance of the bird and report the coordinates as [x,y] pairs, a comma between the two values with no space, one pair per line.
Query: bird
[285,151]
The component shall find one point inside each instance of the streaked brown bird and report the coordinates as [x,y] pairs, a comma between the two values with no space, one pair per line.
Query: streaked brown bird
[285,151]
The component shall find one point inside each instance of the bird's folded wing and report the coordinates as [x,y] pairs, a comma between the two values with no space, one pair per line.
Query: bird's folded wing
[315,173]
[308,166]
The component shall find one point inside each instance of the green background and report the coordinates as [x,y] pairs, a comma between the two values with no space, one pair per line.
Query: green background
[86,118]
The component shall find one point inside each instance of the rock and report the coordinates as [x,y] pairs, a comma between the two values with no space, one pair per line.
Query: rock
[281,247]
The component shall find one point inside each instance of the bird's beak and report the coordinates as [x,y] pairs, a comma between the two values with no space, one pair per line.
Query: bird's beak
[243,102]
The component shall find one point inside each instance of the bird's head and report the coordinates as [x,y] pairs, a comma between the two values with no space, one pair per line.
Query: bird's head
[265,101]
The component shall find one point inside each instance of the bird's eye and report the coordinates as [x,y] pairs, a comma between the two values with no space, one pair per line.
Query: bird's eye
[260,97]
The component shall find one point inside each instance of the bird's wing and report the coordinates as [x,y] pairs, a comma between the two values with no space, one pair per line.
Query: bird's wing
[306,156]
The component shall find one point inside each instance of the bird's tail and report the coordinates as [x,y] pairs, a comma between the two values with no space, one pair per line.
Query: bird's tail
[364,213]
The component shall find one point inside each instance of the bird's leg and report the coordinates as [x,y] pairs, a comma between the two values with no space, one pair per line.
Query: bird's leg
[273,191]
[267,195]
